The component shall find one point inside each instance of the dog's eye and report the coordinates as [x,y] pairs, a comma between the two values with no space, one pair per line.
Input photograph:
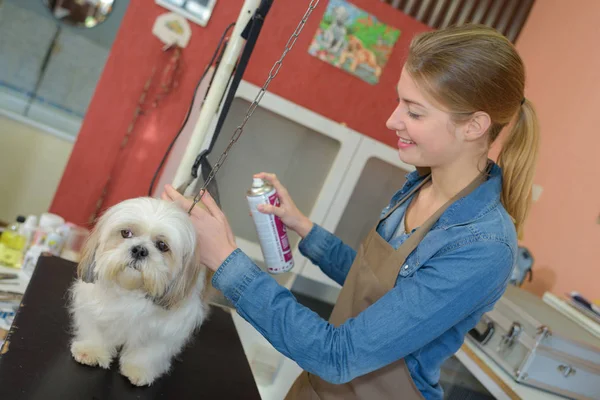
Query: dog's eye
[162,246]
[126,233]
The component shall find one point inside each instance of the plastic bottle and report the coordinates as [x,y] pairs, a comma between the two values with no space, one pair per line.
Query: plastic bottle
[28,229]
[74,242]
[46,239]
[48,223]
[12,243]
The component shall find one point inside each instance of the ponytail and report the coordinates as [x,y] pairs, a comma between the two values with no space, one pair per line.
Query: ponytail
[518,159]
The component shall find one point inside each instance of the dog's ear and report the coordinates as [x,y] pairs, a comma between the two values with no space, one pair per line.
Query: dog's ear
[85,268]
[182,284]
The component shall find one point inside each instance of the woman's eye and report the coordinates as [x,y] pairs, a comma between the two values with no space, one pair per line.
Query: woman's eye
[162,246]
[126,233]
[413,115]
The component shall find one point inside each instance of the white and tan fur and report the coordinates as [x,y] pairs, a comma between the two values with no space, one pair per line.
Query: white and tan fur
[142,309]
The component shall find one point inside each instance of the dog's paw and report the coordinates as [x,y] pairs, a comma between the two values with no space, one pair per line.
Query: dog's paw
[137,375]
[91,354]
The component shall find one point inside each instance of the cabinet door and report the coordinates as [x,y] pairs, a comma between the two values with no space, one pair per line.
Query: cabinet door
[308,152]
[374,175]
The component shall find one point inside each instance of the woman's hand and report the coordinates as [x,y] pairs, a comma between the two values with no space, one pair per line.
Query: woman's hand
[287,210]
[213,233]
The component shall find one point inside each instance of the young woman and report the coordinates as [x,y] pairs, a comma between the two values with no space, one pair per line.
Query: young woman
[443,250]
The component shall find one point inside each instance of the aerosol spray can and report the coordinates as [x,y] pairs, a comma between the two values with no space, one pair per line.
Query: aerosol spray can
[272,233]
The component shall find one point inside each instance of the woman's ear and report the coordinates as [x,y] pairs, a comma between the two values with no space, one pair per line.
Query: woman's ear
[477,126]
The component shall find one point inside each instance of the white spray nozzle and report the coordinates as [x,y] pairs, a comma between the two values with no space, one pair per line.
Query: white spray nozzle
[257,182]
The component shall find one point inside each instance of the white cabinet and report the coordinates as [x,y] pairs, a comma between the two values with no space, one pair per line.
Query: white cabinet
[309,153]
[338,177]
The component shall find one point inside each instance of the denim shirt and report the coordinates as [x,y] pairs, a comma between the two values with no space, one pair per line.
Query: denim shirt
[457,273]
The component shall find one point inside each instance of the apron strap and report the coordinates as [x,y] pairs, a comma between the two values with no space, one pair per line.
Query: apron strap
[406,197]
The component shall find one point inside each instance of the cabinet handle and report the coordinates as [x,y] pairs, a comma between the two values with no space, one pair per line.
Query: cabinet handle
[566,370]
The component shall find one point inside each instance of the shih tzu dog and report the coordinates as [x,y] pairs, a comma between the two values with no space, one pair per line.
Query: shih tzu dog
[140,291]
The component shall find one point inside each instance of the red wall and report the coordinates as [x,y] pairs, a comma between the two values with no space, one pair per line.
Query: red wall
[303,79]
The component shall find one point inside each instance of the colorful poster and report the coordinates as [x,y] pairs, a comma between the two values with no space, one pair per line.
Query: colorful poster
[353,40]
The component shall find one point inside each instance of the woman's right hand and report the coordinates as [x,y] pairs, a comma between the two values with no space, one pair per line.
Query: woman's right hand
[287,210]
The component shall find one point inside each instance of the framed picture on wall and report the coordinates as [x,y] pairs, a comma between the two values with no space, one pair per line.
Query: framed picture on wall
[353,40]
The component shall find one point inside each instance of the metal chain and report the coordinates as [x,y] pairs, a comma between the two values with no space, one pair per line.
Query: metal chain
[238,131]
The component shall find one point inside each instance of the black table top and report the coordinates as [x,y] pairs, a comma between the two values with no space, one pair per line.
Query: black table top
[39,365]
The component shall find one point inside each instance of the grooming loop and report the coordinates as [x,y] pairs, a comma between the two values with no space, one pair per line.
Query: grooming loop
[238,131]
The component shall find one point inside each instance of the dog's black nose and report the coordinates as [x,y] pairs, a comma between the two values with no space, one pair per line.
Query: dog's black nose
[138,252]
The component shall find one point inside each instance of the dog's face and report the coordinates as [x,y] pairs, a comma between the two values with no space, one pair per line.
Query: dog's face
[354,43]
[143,244]
[340,15]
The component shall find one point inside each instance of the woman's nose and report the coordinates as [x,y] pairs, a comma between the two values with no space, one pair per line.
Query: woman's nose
[395,121]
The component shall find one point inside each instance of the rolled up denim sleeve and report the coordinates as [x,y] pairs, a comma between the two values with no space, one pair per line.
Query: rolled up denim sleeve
[328,252]
[419,309]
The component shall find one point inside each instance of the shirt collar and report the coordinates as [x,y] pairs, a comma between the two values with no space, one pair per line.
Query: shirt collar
[485,197]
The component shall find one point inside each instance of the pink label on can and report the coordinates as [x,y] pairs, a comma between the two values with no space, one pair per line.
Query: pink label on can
[281,230]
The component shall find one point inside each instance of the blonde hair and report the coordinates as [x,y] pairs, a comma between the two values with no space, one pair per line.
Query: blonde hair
[475,68]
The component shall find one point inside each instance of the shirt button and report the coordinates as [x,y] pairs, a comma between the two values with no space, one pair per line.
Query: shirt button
[406,266]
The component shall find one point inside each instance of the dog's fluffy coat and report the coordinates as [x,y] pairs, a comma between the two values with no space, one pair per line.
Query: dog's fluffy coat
[140,292]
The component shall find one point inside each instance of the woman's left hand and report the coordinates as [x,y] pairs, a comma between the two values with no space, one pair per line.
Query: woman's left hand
[214,235]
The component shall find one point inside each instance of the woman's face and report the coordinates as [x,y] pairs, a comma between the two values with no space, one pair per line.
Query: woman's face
[427,137]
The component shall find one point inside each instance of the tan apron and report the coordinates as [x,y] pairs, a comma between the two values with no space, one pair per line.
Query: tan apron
[373,273]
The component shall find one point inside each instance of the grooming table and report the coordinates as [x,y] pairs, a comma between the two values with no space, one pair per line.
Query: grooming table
[38,364]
